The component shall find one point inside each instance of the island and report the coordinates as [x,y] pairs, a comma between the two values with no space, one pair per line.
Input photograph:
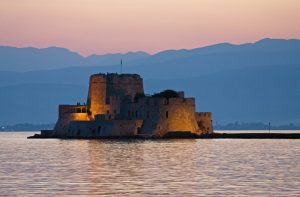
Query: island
[117,107]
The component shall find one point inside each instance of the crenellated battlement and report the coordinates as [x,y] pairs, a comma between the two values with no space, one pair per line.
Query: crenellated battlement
[72,109]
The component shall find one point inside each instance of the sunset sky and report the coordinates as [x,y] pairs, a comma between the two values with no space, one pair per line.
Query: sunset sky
[109,26]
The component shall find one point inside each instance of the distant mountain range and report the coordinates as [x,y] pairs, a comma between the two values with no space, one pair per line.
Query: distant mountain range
[29,59]
[254,82]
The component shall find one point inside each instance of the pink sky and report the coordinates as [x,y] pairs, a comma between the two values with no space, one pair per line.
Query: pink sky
[109,26]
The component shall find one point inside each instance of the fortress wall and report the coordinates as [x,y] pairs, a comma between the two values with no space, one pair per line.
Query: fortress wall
[177,116]
[162,115]
[84,129]
[146,109]
[61,125]
[97,95]
[104,128]
[143,109]
[204,120]
[150,115]
[125,127]
[79,129]
[114,107]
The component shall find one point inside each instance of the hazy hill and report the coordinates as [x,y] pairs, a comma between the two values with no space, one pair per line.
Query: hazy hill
[30,59]
[220,57]
[36,103]
[25,59]
[173,63]
[249,82]
[114,59]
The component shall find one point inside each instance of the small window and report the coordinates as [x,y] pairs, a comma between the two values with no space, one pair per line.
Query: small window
[167,114]
[107,112]
[136,114]
[115,111]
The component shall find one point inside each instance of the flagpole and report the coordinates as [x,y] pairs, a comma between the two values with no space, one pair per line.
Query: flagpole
[121,66]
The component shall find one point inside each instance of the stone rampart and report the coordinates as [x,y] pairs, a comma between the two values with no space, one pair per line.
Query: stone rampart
[104,128]
[68,113]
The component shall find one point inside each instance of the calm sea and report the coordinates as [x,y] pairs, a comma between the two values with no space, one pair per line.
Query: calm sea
[195,167]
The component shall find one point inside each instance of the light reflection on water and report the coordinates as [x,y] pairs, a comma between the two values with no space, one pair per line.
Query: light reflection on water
[144,167]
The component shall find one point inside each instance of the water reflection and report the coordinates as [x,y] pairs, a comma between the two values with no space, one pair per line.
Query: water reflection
[142,168]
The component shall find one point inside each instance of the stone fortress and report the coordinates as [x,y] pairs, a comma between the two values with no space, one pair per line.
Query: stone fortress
[117,107]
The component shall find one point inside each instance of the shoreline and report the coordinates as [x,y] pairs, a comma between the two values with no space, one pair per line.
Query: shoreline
[206,136]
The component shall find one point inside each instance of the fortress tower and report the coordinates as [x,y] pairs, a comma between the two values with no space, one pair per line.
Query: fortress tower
[107,91]
[96,100]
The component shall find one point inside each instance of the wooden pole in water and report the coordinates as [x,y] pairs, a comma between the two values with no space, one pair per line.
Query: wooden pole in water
[269,127]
